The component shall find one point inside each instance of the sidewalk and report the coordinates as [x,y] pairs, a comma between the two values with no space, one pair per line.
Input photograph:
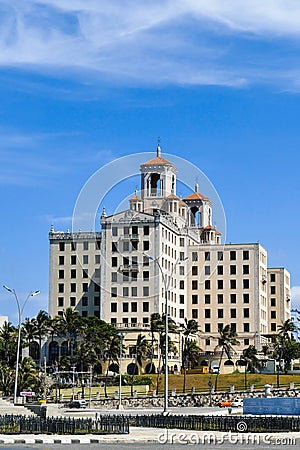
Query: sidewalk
[158,436]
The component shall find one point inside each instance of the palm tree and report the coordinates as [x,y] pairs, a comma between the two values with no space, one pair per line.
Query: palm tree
[156,326]
[142,350]
[283,337]
[110,354]
[251,362]
[227,340]
[190,356]
[69,325]
[189,328]
[41,323]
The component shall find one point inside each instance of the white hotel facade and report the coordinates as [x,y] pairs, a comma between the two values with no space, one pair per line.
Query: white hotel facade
[120,273]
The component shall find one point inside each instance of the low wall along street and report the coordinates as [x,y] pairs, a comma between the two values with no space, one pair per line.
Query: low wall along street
[275,405]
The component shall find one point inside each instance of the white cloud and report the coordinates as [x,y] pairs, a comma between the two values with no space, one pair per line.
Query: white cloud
[295,296]
[172,41]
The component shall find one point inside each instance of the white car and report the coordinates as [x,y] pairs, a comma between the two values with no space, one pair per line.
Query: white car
[237,403]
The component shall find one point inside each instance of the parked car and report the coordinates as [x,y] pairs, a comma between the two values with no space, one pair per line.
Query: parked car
[237,403]
[224,403]
[77,404]
[214,369]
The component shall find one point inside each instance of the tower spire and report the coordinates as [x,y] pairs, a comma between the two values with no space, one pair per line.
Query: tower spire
[158,151]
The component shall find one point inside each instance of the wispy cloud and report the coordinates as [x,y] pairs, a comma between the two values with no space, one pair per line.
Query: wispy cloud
[173,41]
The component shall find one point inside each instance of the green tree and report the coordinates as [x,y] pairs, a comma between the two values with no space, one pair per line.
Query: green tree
[41,323]
[142,350]
[190,357]
[282,347]
[189,328]
[110,354]
[69,325]
[227,340]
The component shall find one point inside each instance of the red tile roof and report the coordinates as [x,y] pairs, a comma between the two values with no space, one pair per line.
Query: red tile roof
[157,160]
[195,196]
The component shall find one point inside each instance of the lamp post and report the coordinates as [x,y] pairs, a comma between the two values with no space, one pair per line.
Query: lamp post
[120,406]
[20,312]
[166,281]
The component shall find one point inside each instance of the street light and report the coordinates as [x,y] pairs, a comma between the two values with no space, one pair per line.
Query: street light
[20,312]
[166,281]
[120,406]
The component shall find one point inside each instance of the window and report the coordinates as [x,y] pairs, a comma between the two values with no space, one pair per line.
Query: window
[273,301]
[194,270]
[72,301]
[220,256]
[97,314]
[246,312]
[96,287]
[73,287]
[145,261]
[61,287]
[125,321]
[246,284]
[113,320]
[114,231]
[181,299]
[233,327]
[97,273]
[246,341]
[61,274]
[61,260]
[181,270]
[134,292]
[98,245]
[84,301]
[207,284]
[73,273]
[146,230]
[85,246]
[181,284]
[207,313]
[181,256]
[125,246]
[273,290]
[220,270]
[60,301]
[145,306]
[233,313]
[97,259]
[84,313]
[207,342]
[232,298]
[114,247]
[246,270]
[273,326]
[181,242]
[61,246]
[194,299]
[273,314]
[146,245]
[145,319]
[272,277]
[73,260]
[114,292]
[85,287]
[207,299]
[220,313]
[145,291]
[85,259]
[114,261]
[207,256]
[232,284]
[195,313]
[134,307]
[245,255]
[125,291]
[96,301]
[146,275]
[232,270]
[207,270]
[220,298]
[181,313]
[246,298]
[85,273]
[220,284]
[232,255]
[73,246]
[114,277]
[194,256]
[125,307]
[113,307]
[207,327]
[246,327]
[194,284]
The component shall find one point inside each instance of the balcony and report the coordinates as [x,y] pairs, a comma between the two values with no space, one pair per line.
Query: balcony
[134,267]
[130,237]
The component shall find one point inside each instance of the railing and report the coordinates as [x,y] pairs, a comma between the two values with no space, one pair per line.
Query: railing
[131,325]
[36,425]
[131,237]
[220,423]
[129,267]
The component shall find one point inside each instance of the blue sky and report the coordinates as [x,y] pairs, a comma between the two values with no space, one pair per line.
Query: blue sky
[85,82]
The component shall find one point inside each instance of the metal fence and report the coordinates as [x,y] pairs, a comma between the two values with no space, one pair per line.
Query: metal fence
[113,424]
[220,423]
